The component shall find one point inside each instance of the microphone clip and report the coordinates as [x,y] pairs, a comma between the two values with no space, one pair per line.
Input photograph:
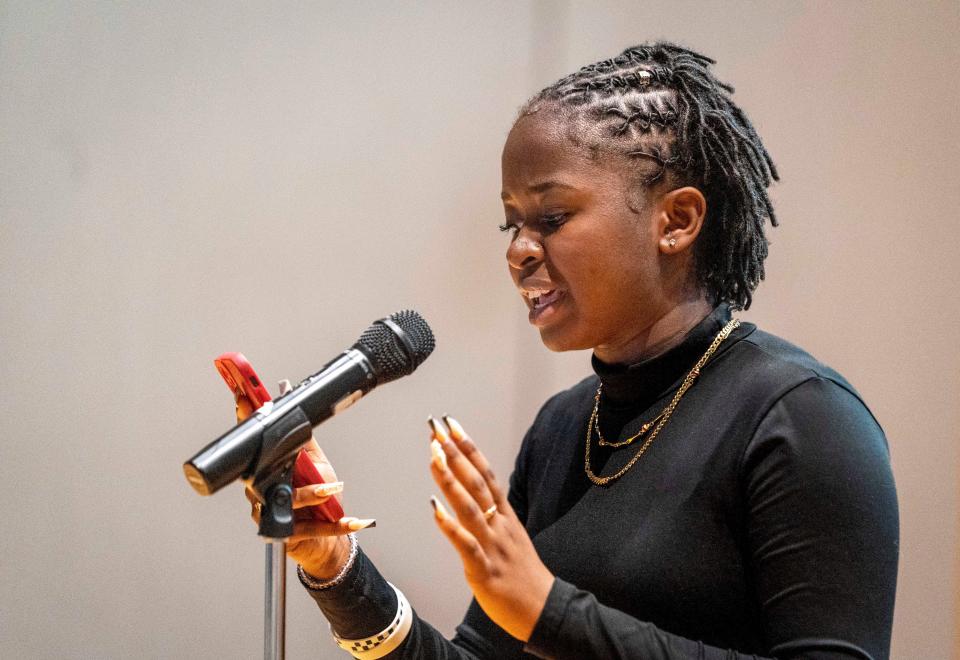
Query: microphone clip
[273,474]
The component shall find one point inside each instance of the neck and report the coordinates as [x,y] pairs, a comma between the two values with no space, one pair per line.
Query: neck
[664,333]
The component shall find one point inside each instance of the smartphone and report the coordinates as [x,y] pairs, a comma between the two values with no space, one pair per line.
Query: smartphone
[242,380]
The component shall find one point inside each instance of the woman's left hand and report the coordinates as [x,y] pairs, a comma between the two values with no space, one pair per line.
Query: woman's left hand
[501,565]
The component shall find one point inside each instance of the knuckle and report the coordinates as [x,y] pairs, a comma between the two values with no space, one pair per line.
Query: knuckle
[450,448]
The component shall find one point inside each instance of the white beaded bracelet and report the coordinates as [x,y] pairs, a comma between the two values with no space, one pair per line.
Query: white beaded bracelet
[385,641]
[313,583]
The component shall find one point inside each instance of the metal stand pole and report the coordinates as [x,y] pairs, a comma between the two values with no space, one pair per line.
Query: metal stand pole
[275,598]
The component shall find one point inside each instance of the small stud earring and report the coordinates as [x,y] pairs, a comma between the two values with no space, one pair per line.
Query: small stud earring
[672,242]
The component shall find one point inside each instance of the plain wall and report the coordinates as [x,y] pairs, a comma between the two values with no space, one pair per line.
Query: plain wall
[178,179]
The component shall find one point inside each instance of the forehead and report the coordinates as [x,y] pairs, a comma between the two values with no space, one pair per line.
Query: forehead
[547,147]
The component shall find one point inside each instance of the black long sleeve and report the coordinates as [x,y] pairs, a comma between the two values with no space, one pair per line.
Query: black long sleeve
[762,522]
[364,604]
[821,545]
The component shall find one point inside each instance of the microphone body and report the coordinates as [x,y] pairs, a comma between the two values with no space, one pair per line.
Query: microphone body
[388,349]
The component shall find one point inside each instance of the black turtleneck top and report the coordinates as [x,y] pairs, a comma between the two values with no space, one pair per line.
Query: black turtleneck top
[762,521]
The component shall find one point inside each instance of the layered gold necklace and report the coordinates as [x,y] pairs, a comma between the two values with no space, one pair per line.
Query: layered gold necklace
[657,423]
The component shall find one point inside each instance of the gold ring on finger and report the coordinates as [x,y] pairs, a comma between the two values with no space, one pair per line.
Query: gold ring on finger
[489,513]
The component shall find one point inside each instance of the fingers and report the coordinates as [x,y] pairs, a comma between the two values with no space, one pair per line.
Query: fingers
[311,496]
[312,449]
[466,509]
[469,449]
[254,503]
[315,494]
[244,407]
[307,529]
[470,551]
[468,479]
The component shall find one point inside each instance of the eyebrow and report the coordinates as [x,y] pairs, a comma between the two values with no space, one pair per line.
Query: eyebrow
[542,187]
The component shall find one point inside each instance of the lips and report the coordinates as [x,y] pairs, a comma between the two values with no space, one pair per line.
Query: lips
[546,298]
[542,301]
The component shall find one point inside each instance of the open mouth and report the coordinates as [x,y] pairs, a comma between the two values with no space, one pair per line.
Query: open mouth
[544,299]
[542,303]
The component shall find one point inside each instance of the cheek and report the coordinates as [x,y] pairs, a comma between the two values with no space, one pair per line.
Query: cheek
[619,276]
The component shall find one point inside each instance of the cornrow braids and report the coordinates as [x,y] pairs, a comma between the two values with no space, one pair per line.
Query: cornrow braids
[661,107]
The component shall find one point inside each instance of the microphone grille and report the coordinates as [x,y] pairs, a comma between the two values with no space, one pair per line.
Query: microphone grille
[397,344]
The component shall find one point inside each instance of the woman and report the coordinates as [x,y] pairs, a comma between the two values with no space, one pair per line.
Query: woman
[711,491]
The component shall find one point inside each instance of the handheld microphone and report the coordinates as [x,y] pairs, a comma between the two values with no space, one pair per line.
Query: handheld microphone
[388,349]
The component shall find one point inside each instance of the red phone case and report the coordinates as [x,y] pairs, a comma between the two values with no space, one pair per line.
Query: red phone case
[242,380]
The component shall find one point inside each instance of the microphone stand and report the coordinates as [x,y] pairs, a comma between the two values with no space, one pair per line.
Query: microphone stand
[273,482]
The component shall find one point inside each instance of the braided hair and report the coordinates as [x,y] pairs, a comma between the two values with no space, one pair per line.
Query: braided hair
[660,106]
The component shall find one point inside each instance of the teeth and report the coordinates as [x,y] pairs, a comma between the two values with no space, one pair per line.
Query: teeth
[545,299]
[535,293]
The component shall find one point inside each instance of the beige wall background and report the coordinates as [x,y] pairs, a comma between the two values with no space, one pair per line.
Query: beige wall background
[179,178]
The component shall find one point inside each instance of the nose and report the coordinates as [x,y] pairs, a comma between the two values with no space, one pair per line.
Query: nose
[525,250]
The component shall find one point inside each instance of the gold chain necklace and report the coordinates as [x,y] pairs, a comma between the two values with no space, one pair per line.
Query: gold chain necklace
[603,442]
[663,417]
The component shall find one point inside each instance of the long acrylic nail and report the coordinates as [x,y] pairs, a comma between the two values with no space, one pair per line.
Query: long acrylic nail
[332,488]
[439,456]
[456,430]
[356,524]
[438,432]
[438,508]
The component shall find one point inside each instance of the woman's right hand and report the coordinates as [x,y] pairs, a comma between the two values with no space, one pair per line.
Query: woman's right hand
[321,547]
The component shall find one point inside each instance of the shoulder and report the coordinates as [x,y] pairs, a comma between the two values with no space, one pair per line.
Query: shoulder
[792,364]
[772,368]
[805,408]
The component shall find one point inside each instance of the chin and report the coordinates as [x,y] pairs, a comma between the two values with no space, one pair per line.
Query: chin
[560,339]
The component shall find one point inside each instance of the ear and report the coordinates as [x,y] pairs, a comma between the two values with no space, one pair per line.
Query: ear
[682,212]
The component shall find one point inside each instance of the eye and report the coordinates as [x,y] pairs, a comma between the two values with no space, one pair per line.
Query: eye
[554,220]
[509,227]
